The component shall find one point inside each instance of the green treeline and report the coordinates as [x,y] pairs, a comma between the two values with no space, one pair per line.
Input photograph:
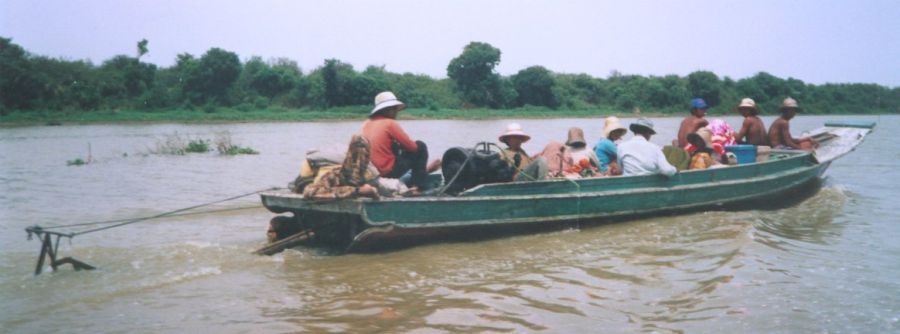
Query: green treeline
[218,79]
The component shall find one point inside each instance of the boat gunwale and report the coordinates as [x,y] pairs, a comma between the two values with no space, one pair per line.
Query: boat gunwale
[795,155]
[363,201]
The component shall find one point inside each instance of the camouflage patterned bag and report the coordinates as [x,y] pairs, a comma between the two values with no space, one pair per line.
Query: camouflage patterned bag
[343,182]
[353,170]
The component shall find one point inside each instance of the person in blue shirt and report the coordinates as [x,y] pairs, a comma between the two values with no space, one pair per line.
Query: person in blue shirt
[606,147]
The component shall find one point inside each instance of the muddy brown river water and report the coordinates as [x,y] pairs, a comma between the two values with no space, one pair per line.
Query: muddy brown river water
[828,264]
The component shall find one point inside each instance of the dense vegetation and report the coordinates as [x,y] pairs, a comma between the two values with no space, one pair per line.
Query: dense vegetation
[217,82]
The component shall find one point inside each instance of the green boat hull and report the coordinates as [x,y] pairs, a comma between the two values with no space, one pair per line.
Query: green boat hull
[521,207]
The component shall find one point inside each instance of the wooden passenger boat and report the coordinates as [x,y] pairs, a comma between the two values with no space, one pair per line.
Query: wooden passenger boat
[365,224]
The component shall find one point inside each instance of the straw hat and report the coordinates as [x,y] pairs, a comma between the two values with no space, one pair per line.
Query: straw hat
[747,103]
[611,124]
[789,103]
[513,129]
[642,123]
[384,100]
[576,137]
[704,134]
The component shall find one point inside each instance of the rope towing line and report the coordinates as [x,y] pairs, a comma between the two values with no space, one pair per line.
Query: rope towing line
[50,249]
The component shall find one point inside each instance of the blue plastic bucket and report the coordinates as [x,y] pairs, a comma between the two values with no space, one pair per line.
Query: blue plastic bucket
[745,153]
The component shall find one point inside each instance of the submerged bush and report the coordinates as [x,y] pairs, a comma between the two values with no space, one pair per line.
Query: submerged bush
[197,146]
[170,144]
[235,150]
[225,147]
[176,144]
[76,162]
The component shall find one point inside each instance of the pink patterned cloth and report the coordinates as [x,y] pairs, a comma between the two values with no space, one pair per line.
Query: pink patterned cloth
[722,133]
[718,148]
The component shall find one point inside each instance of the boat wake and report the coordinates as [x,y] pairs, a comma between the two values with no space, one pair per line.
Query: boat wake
[811,221]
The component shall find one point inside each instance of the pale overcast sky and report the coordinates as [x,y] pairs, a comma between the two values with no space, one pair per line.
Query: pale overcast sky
[815,41]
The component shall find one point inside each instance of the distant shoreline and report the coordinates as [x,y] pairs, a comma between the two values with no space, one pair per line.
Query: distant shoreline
[229,115]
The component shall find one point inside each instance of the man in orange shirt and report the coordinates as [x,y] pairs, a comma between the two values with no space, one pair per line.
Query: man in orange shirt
[393,152]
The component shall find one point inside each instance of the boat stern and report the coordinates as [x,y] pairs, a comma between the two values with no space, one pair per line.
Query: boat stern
[333,223]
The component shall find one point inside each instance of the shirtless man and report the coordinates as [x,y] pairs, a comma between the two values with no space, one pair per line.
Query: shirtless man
[693,122]
[780,131]
[753,128]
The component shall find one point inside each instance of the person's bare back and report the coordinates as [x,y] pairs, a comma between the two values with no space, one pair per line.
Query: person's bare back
[689,125]
[777,132]
[780,136]
[754,130]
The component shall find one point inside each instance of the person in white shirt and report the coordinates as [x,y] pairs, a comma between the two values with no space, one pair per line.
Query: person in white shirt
[639,156]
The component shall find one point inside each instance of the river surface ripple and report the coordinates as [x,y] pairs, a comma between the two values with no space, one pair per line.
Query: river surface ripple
[827,264]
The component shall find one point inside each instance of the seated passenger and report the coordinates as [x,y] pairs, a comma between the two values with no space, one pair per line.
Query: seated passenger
[702,156]
[393,153]
[586,161]
[513,154]
[693,122]
[552,162]
[716,148]
[639,156]
[558,160]
[606,147]
[753,131]
[780,131]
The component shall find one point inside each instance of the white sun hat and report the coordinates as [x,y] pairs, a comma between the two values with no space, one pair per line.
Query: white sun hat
[642,123]
[748,104]
[789,103]
[385,100]
[513,129]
